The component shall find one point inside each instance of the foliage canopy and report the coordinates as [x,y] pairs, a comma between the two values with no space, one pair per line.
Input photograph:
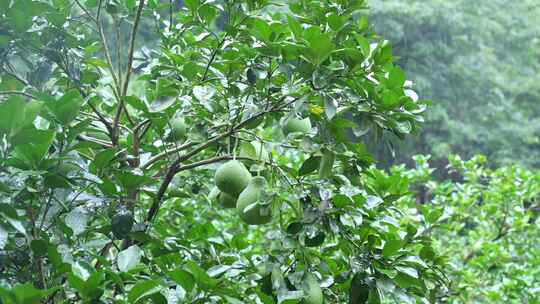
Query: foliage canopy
[110,145]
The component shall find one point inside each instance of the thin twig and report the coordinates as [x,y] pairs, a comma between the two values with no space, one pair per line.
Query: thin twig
[14,75]
[131,51]
[18,93]
[166,153]
[106,47]
[85,10]
[132,46]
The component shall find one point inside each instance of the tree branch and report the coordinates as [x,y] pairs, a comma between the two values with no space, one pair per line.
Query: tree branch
[164,154]
[18,93]
[85,10]
[106,47]
[131,51]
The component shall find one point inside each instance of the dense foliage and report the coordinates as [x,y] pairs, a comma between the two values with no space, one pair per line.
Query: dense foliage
[111,147]
[478,61]
[486,223]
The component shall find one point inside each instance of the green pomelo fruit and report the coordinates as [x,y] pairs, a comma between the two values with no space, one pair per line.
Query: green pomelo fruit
[123,141]
[178,129]
[232,177]
[249,202]
[224,199]
[295,125]
[227,200]
[121,224]
[312,290]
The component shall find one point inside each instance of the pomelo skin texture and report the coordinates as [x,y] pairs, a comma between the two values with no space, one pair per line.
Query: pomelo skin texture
[312,290]
[227,200]
[295,125]
[224,199]
[178,129]
[252,195]
[232,177]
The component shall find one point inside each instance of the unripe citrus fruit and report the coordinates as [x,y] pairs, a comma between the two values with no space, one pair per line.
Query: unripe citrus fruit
[226,200]
[250,202]
[121,224]
[178,129]
[296,125]
[232,177]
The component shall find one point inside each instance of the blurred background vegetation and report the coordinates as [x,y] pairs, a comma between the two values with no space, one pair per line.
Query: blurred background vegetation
[478,61]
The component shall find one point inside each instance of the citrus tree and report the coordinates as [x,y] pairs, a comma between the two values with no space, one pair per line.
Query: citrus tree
[485,221]
[203,153]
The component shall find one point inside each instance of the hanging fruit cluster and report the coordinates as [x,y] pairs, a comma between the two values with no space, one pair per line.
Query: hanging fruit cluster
[235,187]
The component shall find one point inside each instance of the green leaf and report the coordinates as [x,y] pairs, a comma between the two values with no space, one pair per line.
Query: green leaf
[76,282]
[248,150]
[103,158]
[389,100]
[66,109]
[295,27]
[391,247]
[192,4]
[39,247]
[320,45]
[335,21]
[330,107]
[77,220]
[326,164]
[200,275]
[261,30]
[396,78]
[184,278]
[27,294]
[32,144]
[341,200]
[129,258]
[136,103]
[143,290]
[316,240]
[294,227]
[310,165]
[359,290]
[15,114]
[131,180]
